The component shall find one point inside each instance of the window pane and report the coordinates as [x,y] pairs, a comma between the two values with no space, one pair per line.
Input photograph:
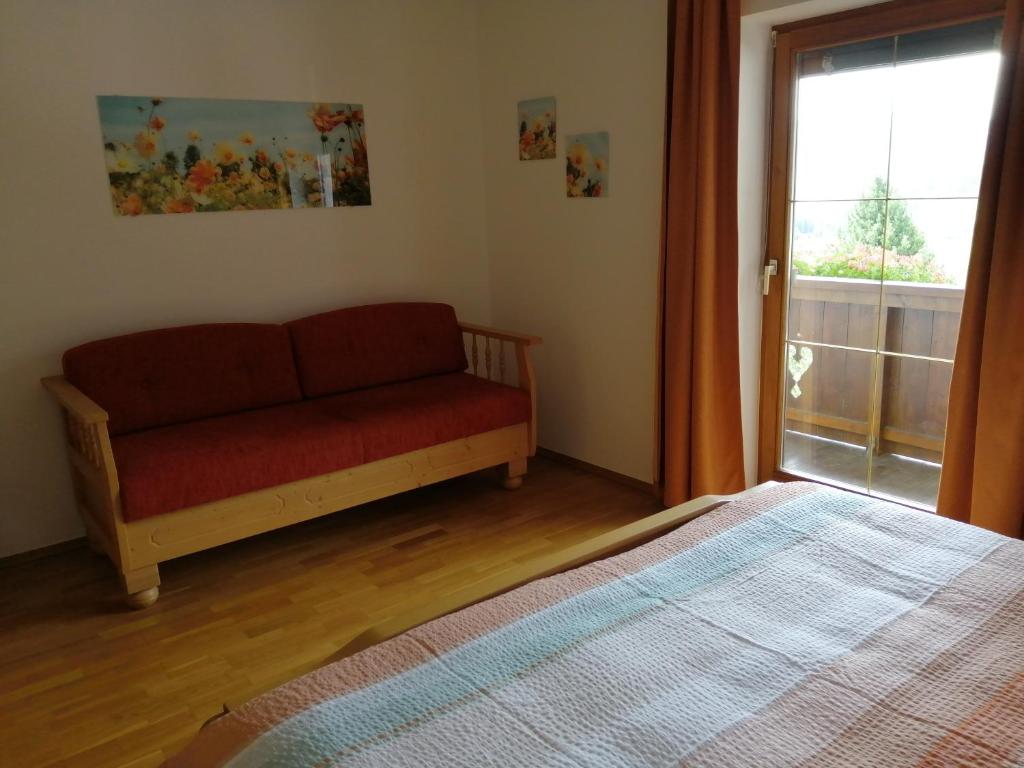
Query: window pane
[941,110]
[863,54]
[979,36]
[834,290]
[828,395]
[842,133]
[929,245]
[930,240]
[913,425]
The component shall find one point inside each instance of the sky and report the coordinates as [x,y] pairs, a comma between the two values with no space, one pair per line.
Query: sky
[933,115]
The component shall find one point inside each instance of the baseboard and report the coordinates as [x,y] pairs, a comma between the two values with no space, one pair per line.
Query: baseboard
[18,558]
[593,469]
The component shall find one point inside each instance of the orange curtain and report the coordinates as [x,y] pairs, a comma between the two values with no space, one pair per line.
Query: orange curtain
[700,440]
[983,463]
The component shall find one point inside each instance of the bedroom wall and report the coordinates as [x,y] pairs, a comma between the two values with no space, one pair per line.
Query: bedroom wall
[73,272]
[582,273]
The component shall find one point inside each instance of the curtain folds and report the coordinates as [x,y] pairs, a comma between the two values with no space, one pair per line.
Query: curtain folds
[700,431]
[982,478]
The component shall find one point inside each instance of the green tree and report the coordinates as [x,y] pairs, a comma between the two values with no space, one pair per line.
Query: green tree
[867,224]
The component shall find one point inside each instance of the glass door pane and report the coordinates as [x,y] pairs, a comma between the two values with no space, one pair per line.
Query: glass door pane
[828,397]
[940,123]
[889,139]
[837,159]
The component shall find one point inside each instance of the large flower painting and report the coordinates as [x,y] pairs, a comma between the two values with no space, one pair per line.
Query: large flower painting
[192,155]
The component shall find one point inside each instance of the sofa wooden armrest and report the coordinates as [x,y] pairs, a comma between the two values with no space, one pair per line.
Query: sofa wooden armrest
[497,333]
[76,402]
[495,370]
[97,490]
[87,436]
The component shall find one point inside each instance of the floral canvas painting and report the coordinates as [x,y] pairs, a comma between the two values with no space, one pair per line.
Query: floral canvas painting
[586,165]
[537,129]
[194,155]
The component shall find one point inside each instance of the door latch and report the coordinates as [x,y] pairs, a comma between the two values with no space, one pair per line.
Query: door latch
[770,270]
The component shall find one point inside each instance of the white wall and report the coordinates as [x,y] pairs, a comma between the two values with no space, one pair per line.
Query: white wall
[71,271]
[582,273]
[755,79]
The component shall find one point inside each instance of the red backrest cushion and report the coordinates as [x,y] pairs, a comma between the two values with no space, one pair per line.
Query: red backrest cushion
[376,344]
[172,375]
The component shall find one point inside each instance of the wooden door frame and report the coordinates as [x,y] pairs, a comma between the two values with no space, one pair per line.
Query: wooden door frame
[891,18]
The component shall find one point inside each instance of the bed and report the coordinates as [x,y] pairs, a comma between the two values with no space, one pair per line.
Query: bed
[793,625]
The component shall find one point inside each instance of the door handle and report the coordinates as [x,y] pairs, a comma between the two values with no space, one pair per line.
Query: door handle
[770,270]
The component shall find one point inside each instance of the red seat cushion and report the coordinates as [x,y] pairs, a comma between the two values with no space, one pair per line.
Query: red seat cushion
[378,344]
[398,418]
[175,375]
[182,465]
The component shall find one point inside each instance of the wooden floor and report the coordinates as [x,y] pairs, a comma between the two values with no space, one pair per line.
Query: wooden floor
[84,682]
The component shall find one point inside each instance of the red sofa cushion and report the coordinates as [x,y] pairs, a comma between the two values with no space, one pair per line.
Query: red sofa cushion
[168,468]
[398,418]
[174,375]
[378,344]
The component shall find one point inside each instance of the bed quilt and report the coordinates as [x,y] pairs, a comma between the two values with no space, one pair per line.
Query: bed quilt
[799,625]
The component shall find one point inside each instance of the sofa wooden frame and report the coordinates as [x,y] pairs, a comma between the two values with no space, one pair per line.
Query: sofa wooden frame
[138,547]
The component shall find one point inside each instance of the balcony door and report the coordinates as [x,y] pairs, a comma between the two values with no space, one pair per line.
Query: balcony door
[880,119]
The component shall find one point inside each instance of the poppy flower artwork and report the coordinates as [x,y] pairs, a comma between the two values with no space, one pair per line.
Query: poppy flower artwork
[180,155]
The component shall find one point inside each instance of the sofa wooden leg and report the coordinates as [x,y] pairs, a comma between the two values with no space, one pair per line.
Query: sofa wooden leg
[512,474]
[139,600]
[142,586]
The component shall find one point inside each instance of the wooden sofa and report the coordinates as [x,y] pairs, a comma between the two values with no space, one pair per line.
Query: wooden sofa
[183,439]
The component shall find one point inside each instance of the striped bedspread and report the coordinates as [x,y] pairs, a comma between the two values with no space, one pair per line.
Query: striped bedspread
[797,626]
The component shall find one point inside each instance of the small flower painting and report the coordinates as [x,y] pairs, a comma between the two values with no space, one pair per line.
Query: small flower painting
[537,129]
[197,155]
[586,165]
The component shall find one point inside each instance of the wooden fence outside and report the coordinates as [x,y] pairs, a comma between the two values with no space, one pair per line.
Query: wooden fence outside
[916,328]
